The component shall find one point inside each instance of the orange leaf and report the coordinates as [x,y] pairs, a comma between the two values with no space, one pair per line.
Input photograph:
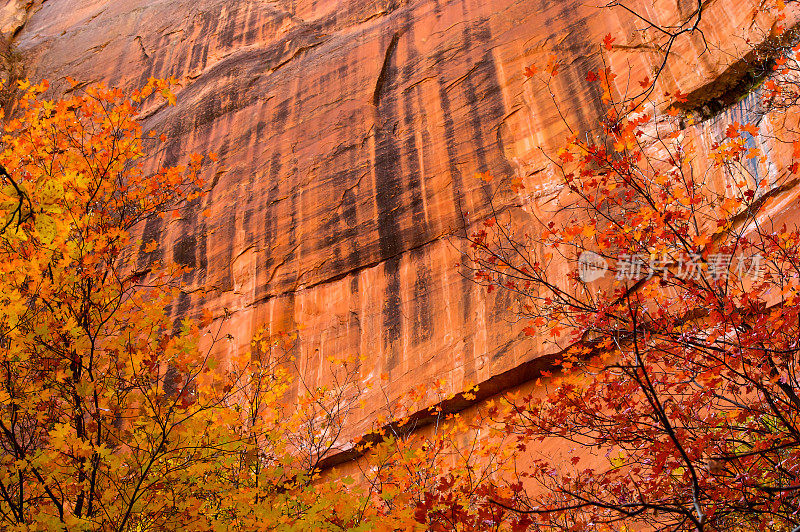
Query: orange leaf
[206,318]
[607,40]
[484,176]
[751,128]
[702,240]
[552,65]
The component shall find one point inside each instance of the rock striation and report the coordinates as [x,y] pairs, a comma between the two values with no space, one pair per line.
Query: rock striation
[349,133]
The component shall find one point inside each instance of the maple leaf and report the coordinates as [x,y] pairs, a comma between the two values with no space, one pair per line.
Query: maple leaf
[752,129]
[530,71]
[553,65]
[484,176]
[207,318]
[732,131]
[607,40]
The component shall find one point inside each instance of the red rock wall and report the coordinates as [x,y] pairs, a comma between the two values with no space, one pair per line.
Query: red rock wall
[348,134]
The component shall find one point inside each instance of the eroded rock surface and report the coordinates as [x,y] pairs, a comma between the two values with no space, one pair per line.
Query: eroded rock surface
[349,133]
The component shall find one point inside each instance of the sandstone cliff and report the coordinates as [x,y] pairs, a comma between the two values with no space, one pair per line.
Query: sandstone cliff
[348,134]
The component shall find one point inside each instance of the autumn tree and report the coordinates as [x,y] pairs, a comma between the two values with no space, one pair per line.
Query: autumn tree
[114,415]
[433,469]
[675,331]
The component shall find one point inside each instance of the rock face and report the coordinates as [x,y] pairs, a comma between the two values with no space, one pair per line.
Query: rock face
[349,133]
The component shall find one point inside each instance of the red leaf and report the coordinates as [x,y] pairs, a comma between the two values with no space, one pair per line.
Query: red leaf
[607,40]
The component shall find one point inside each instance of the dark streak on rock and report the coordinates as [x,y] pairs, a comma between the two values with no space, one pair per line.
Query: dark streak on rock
[184,251]
[138,39]
[389,200]
[392,312]
[387,59]
[422,326]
